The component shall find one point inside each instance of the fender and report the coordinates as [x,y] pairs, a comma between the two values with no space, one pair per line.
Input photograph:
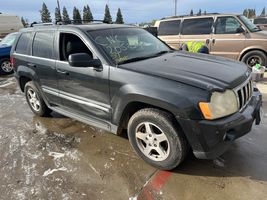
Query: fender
[250,48]
[173,99]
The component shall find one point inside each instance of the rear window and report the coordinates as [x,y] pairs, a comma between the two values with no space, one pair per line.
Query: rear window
[43,44]
[200,26]
[260,21]
[169,27]
[23,43]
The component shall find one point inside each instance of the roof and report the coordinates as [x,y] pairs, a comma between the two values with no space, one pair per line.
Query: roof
[198,16]
[8,15]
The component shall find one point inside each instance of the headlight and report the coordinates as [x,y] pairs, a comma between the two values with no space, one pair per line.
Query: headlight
[220,105]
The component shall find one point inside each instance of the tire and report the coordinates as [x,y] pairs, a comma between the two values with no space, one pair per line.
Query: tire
[164,155]
[255,57]
[35,100]
[5,66]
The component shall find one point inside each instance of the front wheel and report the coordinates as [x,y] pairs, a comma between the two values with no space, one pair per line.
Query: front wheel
[253,58]
[6,66]
[157,139]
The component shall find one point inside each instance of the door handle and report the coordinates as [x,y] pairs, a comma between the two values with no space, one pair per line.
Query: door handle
[213,41]
[62,72]
[31,65]
[207,41]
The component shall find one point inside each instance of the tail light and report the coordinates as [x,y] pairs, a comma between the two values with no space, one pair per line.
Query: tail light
[12,61]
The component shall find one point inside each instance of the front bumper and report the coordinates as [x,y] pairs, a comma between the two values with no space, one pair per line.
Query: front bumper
[210,139]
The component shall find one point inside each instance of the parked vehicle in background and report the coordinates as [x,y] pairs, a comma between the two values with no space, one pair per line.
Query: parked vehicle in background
[9,24]
[260,22]
[5,48]
[119,77]
[232,36]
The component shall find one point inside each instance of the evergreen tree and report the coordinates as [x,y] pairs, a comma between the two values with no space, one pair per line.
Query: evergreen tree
[57,15]
[245,12]
[107,17]
[87,14]
[191,12]
[76,16]
[263,14]
[65,16]
[24,23]
[45,14]
[199,12]
[119,19]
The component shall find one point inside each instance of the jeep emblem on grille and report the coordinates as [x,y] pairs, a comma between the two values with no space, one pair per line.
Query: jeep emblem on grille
[247,73]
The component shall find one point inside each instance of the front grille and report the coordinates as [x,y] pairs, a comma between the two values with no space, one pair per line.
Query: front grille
[244,93]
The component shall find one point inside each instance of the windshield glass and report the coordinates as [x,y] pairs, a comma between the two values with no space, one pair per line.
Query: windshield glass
[8,40]
[128,44]
[252,27]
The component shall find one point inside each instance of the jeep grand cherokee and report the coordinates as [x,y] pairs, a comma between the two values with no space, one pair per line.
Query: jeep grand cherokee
[119,77]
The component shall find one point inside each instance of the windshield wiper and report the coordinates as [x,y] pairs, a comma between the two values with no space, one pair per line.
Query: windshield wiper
[134,59]
[143,57]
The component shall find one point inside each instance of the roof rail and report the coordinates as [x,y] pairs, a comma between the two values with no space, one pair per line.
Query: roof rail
[202,14]
[80,22]
[41,24]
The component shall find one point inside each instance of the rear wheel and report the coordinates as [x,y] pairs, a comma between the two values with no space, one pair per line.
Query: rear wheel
[255,57]
[6,66]
[157,139]
[35,100]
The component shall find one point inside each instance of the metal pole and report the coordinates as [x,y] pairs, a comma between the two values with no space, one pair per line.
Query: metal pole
[58,7]
[175,7]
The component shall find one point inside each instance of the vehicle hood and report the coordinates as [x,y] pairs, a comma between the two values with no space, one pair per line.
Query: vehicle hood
[199,70]
[5,50]
[260,35]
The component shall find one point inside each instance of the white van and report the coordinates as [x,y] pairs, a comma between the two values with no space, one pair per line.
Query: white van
[9,24]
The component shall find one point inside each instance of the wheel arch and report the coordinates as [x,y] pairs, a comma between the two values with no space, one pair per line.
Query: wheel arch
[247,50]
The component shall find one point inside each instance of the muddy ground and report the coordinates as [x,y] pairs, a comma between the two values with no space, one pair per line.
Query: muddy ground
[59,158]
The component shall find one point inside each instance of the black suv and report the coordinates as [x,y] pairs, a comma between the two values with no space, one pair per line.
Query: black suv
[119,77]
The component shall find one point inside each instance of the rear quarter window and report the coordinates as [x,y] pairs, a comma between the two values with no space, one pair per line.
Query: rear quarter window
[23,43]
[169,27]
[43,44]
[202,26]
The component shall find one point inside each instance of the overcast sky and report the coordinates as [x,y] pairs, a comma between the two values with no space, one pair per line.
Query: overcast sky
[134,11]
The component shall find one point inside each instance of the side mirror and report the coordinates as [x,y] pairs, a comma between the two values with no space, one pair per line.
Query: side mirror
[83,60]
[240,30]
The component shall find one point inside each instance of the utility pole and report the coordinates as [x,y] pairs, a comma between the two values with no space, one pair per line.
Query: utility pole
[175,7]
[58,7]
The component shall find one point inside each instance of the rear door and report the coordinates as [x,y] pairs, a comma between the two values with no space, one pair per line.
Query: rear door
[197,30]
[228,40]
[169,32]
[43,63]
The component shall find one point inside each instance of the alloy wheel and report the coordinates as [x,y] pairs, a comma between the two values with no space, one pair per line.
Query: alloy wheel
[34,100]
[152,141]
[6,66]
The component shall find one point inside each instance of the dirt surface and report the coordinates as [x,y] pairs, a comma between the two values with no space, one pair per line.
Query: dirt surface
[59,158]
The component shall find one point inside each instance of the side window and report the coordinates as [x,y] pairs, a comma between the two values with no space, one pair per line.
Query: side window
[260,21]
[169,27]
[23,43]
[227,25]
[202,26]
[43,44]
[71,44]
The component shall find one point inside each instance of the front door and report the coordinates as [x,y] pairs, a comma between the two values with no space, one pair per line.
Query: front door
[197,30]
[84,90]
[229,37]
